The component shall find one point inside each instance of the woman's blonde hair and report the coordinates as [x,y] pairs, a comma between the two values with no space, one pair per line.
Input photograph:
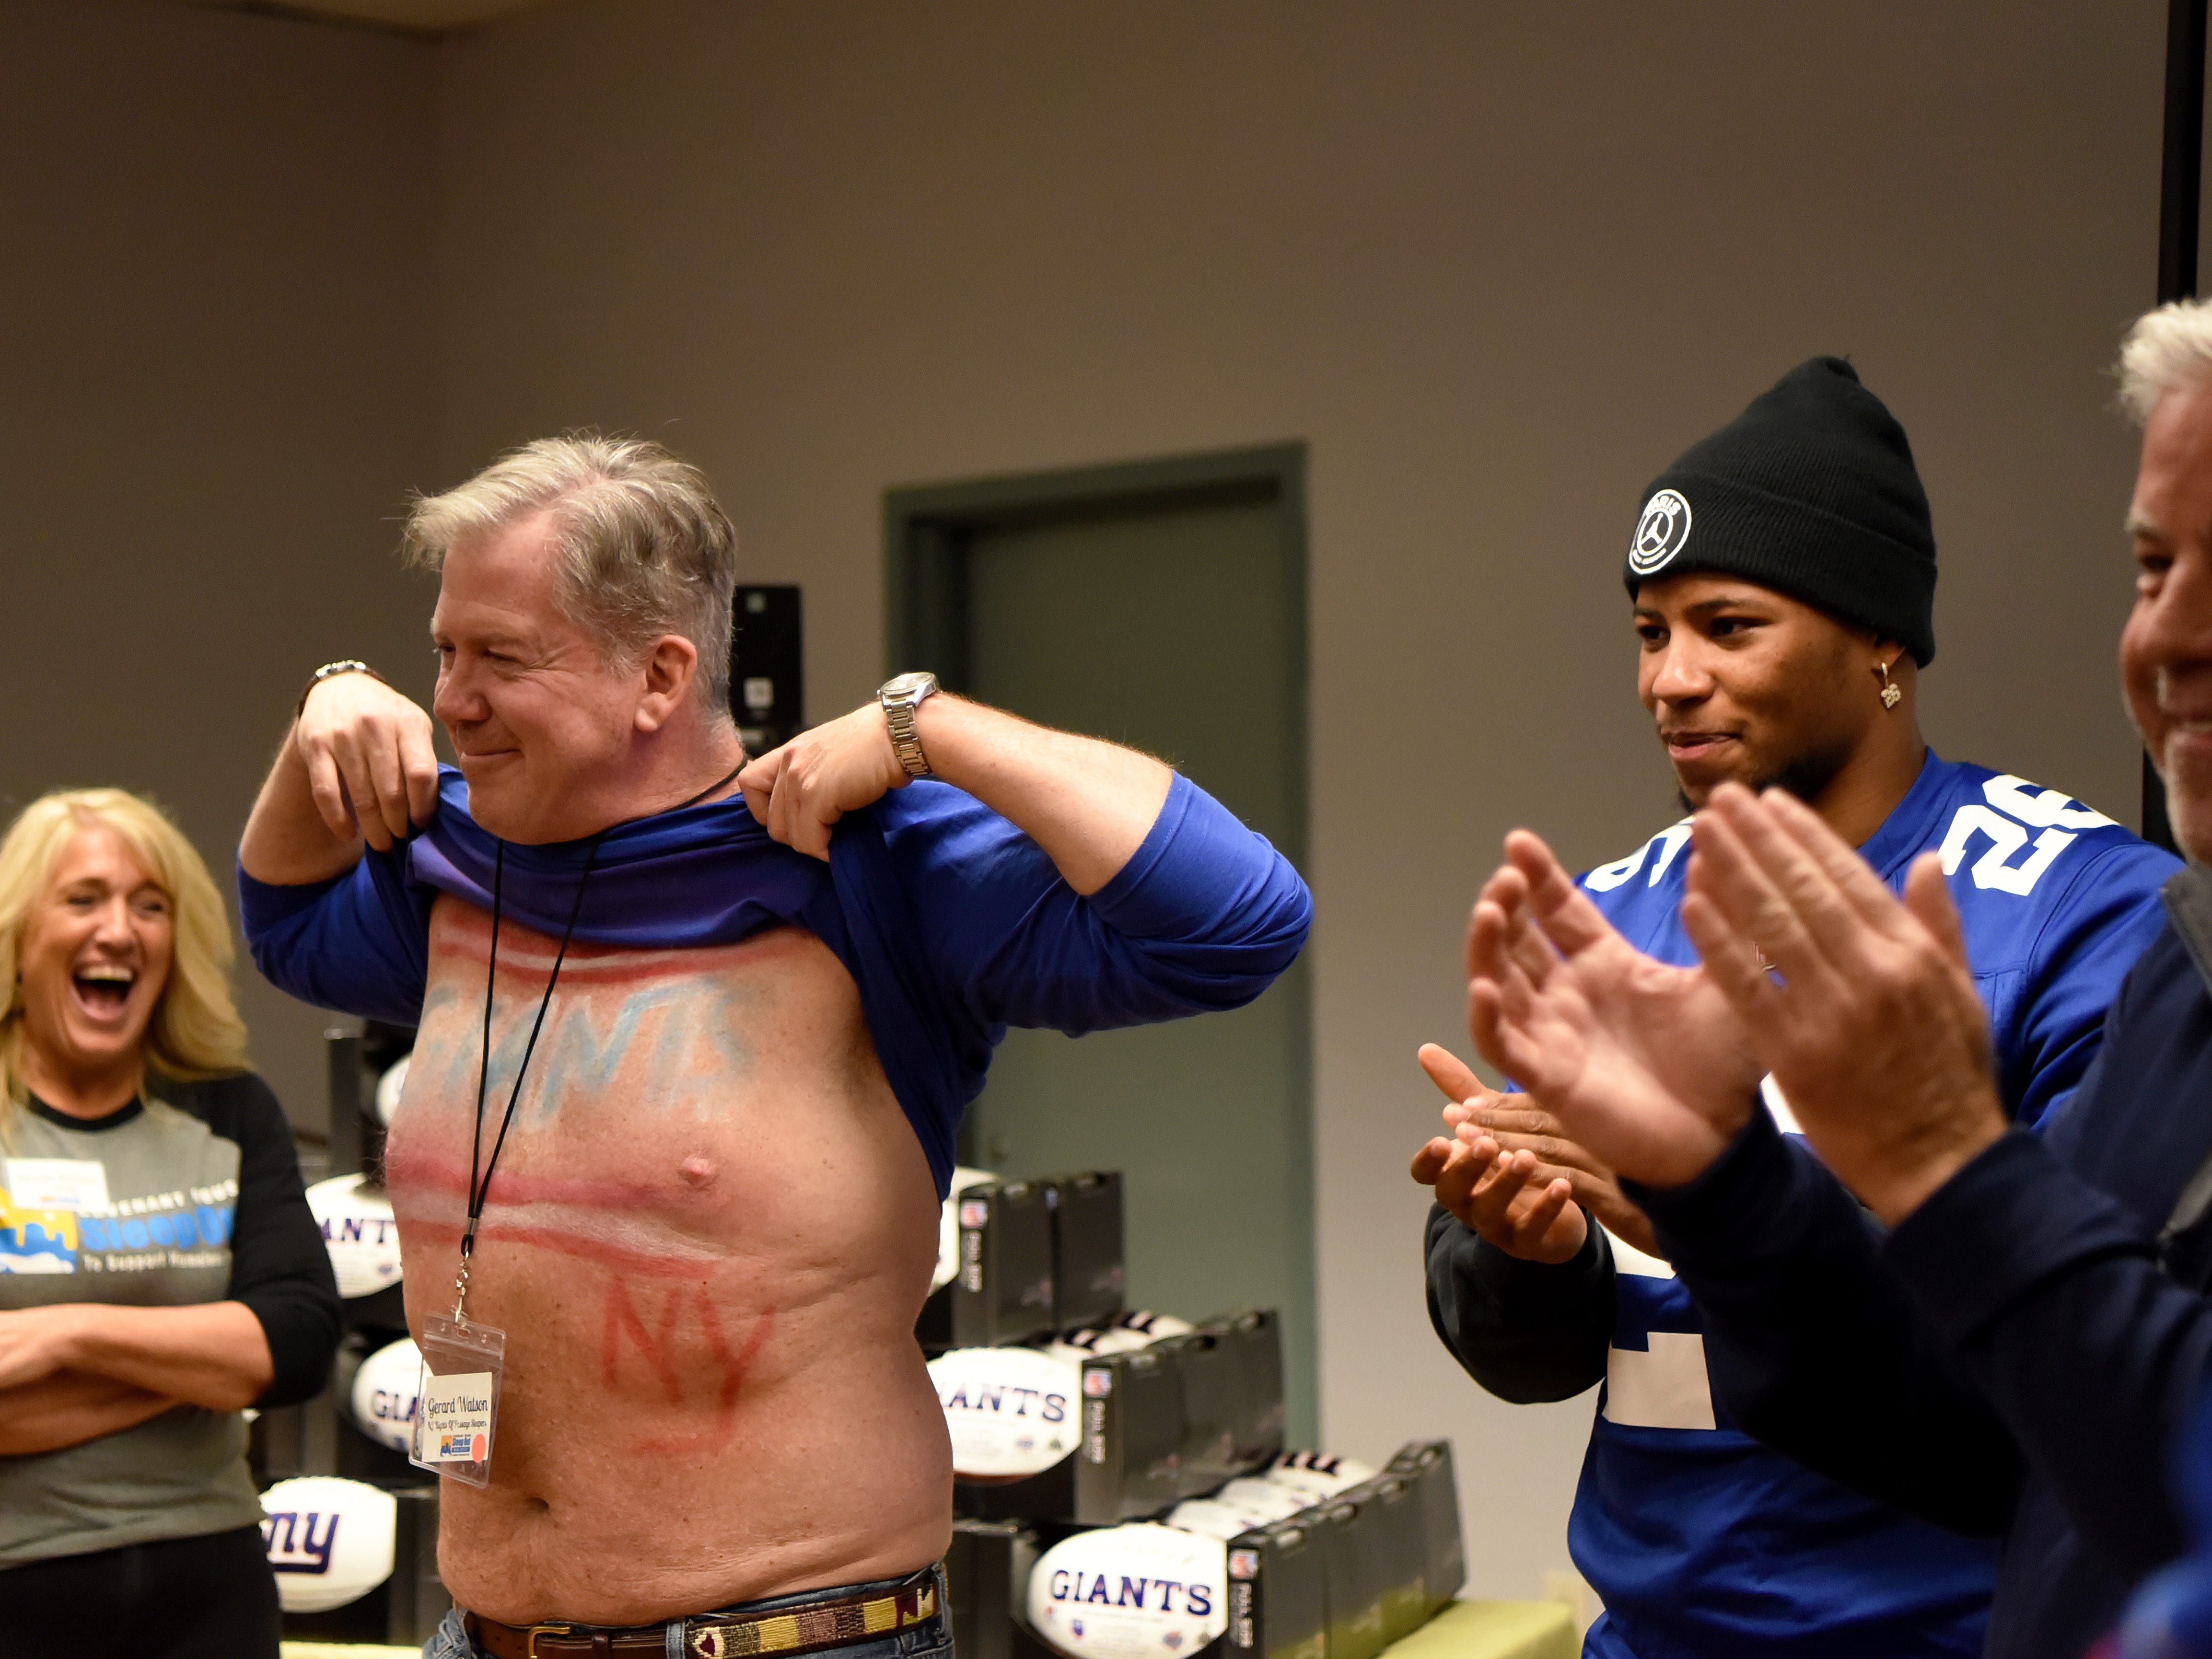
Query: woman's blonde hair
[195,1031]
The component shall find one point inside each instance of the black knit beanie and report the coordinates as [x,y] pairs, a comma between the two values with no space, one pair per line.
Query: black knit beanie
[1811,491]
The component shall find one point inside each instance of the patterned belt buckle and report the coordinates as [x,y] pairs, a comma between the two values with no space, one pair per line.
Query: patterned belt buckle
[530,1650]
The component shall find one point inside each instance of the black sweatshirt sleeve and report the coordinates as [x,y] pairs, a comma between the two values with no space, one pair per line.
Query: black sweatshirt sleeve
[1527,1331]
[278,1265]
[2053,1298]
[1816,1348]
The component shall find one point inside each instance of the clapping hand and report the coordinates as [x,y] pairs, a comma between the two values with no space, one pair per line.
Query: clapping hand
[1506,1170]
[1649,1067]
[1864,1008]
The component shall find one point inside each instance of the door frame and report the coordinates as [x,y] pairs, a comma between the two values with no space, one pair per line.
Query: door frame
[927,529]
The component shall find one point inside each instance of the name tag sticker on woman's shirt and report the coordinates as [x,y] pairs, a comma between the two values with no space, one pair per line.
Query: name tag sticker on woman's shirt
[458,1398]
[57,1183]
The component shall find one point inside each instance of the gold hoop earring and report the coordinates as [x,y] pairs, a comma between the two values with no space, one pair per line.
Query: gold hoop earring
[1892,694]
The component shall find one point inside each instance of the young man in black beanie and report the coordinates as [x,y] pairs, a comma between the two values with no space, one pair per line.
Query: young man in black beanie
[1783,573]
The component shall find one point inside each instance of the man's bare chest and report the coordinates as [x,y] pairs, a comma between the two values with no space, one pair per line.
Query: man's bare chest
[672,1092]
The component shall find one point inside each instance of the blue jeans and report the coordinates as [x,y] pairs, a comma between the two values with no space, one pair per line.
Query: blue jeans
[930,1639]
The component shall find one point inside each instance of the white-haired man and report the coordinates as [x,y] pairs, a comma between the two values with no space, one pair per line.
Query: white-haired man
[689,1066]
[2027,1327]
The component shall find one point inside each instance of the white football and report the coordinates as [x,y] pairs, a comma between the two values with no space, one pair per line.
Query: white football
[389,1088]
[1135,1592]
[1012,1412]
[1269,1500]
[1129,1331]
[1152,1326]
[384,1394]
[328,1540]
[948,1225]
[1317,1473]
[1079,1345]
[1211,1519]
[358,1232]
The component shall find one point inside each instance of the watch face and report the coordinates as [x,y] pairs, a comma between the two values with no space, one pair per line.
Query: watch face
[905,685]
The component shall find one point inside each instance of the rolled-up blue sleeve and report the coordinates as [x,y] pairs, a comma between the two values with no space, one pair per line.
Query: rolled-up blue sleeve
[359,943]
[1204,917]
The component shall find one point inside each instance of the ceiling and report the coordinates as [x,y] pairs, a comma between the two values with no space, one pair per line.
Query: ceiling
[426,17]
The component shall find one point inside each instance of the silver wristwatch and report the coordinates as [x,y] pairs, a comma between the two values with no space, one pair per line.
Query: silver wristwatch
[900,698]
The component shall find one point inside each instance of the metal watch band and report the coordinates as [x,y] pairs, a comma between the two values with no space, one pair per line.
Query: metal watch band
[900,698]
[330,670]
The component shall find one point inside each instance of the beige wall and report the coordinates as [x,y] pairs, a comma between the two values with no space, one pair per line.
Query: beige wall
[1494,263]
[216,388]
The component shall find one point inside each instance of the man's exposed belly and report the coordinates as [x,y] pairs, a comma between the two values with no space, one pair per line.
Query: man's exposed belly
[706,1240]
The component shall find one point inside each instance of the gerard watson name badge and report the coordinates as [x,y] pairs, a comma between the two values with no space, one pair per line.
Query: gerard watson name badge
[456,1415]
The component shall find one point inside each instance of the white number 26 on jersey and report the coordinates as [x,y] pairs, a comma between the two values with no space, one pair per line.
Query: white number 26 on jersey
[2014,807]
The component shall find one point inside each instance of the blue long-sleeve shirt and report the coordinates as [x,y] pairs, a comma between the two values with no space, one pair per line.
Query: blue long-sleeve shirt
[952,922]
[2015,1356]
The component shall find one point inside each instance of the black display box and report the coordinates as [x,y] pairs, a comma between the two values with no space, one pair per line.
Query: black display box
[1279,1592]
[1172,1420]
[987,1578]
[1395,1551]
[1088,1262]
[1426,1465]
[1355,1571]
[1004,1291]
[1130,1463]
[1232,1392]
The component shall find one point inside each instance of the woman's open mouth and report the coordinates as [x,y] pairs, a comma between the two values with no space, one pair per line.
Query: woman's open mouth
[104,990]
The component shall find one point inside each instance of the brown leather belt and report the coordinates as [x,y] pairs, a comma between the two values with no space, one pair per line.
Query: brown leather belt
[831,1621]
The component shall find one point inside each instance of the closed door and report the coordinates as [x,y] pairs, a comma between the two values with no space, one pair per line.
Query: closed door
[1177,627]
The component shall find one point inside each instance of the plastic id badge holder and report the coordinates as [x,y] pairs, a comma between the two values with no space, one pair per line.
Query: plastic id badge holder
[462,1362]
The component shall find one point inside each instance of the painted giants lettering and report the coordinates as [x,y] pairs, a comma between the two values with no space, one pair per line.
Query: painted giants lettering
[659,1031]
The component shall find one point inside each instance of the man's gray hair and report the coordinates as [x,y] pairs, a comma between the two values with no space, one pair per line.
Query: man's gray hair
[2169,350]
[641,547]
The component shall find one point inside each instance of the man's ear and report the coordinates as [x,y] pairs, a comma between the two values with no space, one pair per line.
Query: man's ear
[670,670]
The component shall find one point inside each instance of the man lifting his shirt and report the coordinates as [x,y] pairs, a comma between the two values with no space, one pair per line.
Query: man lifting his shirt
[690,1066]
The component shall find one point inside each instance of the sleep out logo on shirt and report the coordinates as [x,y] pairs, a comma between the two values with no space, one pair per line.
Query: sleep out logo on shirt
[188,1227]
[36,1241]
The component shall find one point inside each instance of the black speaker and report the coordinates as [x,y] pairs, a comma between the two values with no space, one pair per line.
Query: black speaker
[767,677]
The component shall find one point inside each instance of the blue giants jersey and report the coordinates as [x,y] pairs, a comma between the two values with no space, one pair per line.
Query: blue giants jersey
[1698,1540]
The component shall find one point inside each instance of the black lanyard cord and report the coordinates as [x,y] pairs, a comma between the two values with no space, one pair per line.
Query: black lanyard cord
[478,1190]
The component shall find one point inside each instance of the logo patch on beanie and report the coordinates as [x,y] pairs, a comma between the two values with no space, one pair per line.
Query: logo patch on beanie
[1660,532]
